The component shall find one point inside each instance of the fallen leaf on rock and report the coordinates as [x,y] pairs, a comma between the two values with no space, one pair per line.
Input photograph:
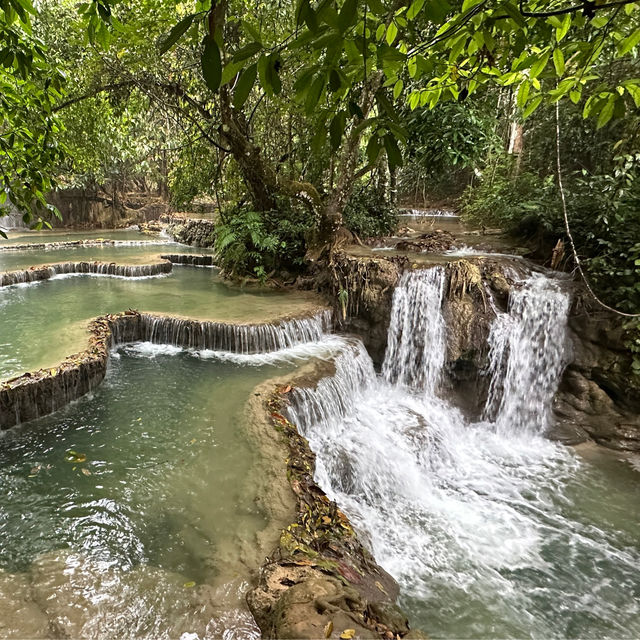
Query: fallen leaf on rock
[347,634]
[189,584]
[328,629]
[86,472]
[379,585]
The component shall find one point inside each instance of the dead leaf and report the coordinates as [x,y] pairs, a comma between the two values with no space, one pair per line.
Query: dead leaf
[379,585]
[328,629]
[326,519]
[347,634]
[74,456]
[86,472]
[189,584]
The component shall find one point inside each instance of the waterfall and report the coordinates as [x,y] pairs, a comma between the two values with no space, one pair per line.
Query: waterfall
[527,355]
[472,519]
[12,220]
[220,336]
[416,339]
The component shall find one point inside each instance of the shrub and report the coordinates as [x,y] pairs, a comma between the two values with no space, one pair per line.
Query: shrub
[367,214]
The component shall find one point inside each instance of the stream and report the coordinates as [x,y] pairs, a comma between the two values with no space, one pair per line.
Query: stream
[137,505]
[490,529]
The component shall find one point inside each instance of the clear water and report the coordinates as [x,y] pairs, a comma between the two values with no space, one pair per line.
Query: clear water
[491,530]
[141,254]
[20,236]
[42,323]
[164,498]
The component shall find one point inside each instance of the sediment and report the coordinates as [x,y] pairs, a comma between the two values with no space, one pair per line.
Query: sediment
[42,392]
[44,272]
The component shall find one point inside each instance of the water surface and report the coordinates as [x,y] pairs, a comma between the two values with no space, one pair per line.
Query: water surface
[137,505]
[43,322]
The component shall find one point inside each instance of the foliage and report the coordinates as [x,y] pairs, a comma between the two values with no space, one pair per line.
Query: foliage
[444,146]
[369,214]
[604,214]
[261,243]
[29,87]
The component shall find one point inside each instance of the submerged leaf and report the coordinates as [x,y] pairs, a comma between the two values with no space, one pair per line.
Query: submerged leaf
[74,456]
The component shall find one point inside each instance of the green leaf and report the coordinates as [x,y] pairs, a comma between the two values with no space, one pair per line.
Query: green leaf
[437,10]
[175,34]
[558,61]
[607,112]
[397,89]
[306,14]
[523,94]
[377,7]
[251,31]
[392,32]
[414,9]
[373,149]
[575,96]
[229,72]
[534,103]
[247,51]
[633,89]
[380,32]
[211,65]
[244,85]
[347,14]
[538,67]
[469,4]
[393,152]
[512,11]
[629,43]
[563,29]
[313,94]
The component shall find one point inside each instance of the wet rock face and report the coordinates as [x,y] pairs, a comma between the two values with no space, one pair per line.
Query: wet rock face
[361,291]
[198,233]
[189,259]
[599,396]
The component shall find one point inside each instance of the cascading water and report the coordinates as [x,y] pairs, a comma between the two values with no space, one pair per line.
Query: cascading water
[483,524]
[416,342]
[527,355]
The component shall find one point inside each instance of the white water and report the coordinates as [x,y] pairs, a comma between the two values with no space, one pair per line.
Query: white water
[485,526]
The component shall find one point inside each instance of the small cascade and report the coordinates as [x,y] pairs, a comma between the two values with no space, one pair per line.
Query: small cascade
[416,339]
[527,355]
[70,244]
[47,272]
[218,336]
[12,221]
[334,397]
